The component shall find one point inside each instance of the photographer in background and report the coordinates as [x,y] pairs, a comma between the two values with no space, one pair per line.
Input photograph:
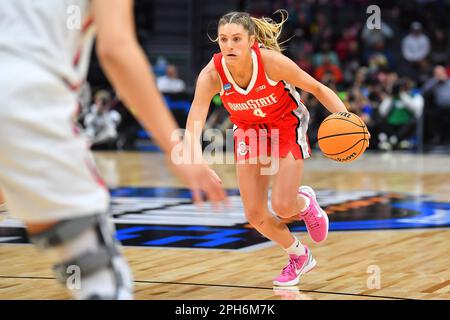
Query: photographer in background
[101,123]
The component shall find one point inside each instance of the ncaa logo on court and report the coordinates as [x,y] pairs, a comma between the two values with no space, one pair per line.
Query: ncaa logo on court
[227,86]
[166,217]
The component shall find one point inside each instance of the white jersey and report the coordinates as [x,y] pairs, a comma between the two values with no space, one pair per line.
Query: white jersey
[56,34]
[46,170]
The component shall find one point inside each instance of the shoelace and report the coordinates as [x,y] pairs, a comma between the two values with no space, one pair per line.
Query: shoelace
[289,268]
[310,216]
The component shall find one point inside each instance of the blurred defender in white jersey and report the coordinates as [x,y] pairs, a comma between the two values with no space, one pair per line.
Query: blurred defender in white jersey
[46,170]
[2,203]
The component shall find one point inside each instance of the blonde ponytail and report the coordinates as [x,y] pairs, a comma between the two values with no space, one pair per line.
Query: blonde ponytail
[266,31]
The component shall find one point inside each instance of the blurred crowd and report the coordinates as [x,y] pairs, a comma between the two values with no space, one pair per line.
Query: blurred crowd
[390,65]
[392,71]
[109,125]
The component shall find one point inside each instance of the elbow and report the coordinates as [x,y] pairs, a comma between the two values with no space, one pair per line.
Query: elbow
[319,90]
[106,52]
[109,51]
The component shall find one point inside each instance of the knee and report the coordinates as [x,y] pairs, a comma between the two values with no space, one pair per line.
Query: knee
[254,215]
[283,206]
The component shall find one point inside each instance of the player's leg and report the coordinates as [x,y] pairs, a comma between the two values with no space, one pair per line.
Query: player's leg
[78,236]
[288,198]
[254,192]
[286,201]
[254,188]
[48,176]
[87,258]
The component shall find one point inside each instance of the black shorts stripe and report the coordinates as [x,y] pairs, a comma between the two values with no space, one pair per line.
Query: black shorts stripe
[290,95]
[296,133]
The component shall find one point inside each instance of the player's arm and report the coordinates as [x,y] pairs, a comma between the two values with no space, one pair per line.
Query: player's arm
[129,71]
[208,85]
[279,67]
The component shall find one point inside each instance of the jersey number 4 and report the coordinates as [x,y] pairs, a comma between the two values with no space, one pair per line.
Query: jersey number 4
[259,113]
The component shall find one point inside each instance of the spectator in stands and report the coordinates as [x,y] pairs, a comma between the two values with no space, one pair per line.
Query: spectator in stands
[440,45]
[386,79]
[437,115]
[101,123]
[360,77]
[304,62]
[360,105]
[128,129]
[160,67]
[299,44]
[424,72]
[372,36]
[375,90]
[328,68]
[84,98]
[343,44]
[325,52]
[170,82]
[439,86]
[378,55]
[400,112]
[321,31]
[416,45]
[352,63]
[84,103]
[301,23]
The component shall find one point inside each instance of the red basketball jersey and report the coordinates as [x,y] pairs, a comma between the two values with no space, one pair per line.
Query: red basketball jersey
[264,100]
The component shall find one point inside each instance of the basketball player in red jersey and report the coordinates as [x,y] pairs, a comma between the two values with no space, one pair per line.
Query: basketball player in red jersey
[257,84]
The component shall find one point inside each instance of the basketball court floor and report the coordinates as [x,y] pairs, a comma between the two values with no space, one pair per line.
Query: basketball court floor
[389,235]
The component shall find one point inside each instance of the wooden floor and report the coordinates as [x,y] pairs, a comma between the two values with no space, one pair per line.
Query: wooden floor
[412,263]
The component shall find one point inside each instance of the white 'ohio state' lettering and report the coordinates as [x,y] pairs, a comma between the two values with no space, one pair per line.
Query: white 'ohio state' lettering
[254,104]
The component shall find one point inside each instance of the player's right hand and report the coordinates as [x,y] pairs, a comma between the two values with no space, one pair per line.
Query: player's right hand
[201,179]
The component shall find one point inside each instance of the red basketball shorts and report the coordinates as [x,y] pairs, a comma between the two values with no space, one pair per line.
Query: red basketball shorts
[276,139]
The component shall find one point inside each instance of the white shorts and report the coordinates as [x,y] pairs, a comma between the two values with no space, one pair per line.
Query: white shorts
[47,171]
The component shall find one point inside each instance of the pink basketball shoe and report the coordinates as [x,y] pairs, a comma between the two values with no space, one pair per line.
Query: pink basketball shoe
[315,218]
[297,265]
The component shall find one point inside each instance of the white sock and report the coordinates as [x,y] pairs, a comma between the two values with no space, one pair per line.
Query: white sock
[296,248]
[307,202]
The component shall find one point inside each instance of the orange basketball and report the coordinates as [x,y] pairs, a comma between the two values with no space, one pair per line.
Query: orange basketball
[343,136]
